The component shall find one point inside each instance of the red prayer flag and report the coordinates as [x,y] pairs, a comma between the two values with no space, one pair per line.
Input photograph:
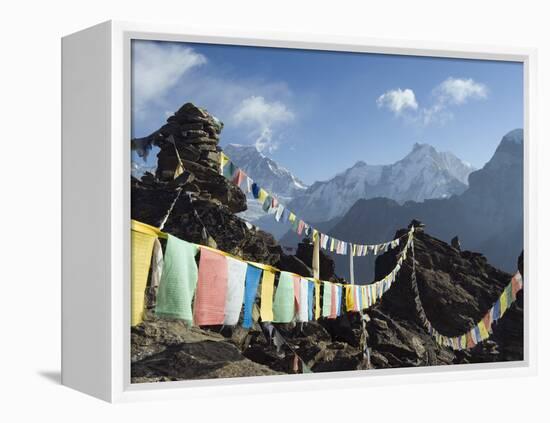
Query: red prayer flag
[211,289]
[516,285]
[333,303]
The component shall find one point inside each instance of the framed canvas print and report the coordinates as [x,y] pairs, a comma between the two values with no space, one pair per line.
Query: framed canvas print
[268,212]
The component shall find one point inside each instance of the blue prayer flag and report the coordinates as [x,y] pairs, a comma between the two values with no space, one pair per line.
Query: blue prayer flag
[251,287]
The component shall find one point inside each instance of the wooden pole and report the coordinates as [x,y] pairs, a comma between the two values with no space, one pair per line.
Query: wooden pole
[351,272]
[315,263]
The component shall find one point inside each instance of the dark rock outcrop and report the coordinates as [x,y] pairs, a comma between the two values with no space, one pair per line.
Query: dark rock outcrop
[456,288]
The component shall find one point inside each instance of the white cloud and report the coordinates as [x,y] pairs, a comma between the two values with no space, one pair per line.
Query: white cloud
[261,117]
[398,100]
[157,68]
[458,91]
[450,93]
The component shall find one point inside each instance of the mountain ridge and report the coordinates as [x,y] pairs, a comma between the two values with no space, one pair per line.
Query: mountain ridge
[424,173]
[487,217]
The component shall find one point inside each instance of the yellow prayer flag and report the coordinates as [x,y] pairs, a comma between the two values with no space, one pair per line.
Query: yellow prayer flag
[223,161]
[350,303]
[142,249]
[266,296]
[291,217]
[483,330]
[364,297]
[262,195]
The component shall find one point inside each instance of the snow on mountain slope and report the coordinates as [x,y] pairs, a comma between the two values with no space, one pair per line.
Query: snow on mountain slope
[266,173]
[423,174]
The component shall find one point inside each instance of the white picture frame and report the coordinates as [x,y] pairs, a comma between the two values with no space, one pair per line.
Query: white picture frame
[96,227]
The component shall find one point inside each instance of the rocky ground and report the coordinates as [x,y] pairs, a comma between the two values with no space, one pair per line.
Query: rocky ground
[456,287]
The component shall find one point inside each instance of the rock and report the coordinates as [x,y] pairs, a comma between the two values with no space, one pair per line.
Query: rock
[200,360]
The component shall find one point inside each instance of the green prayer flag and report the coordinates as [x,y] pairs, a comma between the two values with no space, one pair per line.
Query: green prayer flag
[178,281]
[283,305]
[327,299]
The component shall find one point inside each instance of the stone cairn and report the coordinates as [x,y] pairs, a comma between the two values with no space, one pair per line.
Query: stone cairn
[195,133]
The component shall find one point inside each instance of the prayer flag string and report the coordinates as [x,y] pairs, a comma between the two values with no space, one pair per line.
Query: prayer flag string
[271,205]
[215,291]
[482,329]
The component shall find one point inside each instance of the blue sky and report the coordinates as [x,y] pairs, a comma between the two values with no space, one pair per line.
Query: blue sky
[318,112]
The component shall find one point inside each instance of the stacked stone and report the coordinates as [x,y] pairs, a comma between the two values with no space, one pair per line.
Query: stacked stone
[195,133]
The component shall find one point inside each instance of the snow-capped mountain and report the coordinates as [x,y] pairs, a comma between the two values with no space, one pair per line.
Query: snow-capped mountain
[269,175]
[487,217]
[423,174]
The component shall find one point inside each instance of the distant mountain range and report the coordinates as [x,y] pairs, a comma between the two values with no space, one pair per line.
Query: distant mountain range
[487,217]
[423,174]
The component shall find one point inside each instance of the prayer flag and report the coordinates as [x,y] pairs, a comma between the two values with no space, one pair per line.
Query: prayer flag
[496,310]
[255,190]
[300,227]
[266,296]
[262,195]
[484,334]
[142,249]
[156,269]
[236,274]
[317,299]
[251,287]
[178,281]
[350,304]
[238,177]
[279,212]
[229,170]
[516,285]
[470,342]
[291,217]
[327,299]
[283,306]
[211,288]
[223,161]
[310,300]
[463,342]
[266,204]
[286,215]
[339,300]
[304,309]
[477,334]
[334,302]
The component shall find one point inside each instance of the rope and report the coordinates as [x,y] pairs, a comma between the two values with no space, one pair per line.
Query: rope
[204,232]
[339,246]
[468,339]
[148,229]
[163,222]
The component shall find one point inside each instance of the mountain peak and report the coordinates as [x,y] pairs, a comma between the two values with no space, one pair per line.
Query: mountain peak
[422,147]
[265,171]
[515,136]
